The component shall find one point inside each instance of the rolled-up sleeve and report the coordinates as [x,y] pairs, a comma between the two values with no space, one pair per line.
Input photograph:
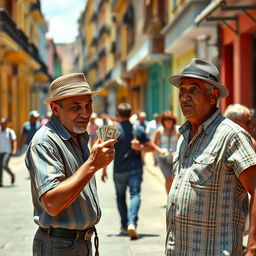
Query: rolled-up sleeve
[45,166]
[240,152]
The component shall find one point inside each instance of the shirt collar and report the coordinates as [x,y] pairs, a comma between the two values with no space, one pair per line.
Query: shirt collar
[62,131]
[206,125]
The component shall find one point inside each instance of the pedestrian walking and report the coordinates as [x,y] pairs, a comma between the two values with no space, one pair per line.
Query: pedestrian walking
[29,128]
[151,129]
[63,186]
[128,169]
[166,138]
[8,147]
[214,167]
[92,128]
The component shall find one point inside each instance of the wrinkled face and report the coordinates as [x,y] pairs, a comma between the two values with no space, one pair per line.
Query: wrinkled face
[74,112]
[245,121]
[196,100]
[33,119]
[168,123]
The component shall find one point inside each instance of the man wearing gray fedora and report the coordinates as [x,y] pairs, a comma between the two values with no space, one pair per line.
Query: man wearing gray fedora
[214,167]
[66,205]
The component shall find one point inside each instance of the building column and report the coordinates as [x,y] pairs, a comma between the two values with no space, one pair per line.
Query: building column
[4,89]
[243,70]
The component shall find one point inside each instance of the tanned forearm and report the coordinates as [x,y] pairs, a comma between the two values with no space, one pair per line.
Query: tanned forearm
[63,195]
[67,191]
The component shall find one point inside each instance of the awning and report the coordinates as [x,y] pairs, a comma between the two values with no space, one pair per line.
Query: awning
[224,11]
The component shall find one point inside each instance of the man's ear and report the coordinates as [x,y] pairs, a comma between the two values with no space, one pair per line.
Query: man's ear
[215,95]
[55,108]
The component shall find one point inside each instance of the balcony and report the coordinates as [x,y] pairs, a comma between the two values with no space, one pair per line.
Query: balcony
[35,9]
[150,51]
[102,54]
[15,40]
[94,41]
[93,65]
[94,17]
[101,4]
[104,30]
[98,84]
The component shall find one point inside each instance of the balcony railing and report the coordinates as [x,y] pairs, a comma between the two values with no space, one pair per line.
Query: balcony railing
[9,27]
[104,30]
[102,53]
[98,84]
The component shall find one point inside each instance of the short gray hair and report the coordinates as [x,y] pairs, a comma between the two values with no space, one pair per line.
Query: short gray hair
[236,112]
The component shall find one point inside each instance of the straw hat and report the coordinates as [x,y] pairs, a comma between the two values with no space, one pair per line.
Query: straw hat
[203,70]
[74,84]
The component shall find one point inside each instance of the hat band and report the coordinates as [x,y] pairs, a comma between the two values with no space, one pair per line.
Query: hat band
[202,73]
[71,89]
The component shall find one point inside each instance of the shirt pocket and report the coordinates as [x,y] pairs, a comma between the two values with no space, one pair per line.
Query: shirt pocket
[202,169]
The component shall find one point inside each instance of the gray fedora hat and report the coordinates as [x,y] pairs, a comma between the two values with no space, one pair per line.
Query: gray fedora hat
[74,84]
[203,70]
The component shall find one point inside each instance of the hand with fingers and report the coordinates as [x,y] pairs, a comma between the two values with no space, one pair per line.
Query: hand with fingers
[102,153]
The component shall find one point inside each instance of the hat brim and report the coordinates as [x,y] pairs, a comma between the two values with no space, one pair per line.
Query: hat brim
[49,100]
[175,80]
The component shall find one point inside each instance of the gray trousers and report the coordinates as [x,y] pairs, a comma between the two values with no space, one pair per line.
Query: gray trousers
[4,160]
[46,245]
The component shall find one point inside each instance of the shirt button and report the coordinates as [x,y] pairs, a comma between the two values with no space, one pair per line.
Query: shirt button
[172,204]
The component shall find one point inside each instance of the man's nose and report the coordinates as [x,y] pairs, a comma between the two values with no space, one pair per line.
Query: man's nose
[185,95]
[84,112]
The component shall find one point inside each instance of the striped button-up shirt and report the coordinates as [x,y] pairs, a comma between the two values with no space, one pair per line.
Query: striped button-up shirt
[207,204]
[52,157]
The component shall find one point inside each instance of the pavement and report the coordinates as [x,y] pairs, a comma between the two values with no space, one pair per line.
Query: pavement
[17,226]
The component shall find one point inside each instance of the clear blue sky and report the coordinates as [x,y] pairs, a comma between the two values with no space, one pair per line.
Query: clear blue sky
[62,16]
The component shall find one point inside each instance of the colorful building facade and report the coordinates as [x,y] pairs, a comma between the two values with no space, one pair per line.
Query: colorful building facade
[22,69]
[236,21]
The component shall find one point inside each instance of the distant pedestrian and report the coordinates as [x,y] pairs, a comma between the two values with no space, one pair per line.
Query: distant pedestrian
[166,138]
[46,118]
[92,128]
[62,169]
[142,121]
[153,125]
[29,128]
[8,147]
[103,120]
[128,169]
[151,129]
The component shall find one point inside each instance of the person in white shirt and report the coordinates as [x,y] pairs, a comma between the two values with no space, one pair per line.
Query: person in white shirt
[151,128]
[8,147]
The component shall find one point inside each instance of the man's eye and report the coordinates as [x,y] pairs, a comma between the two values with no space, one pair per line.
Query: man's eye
[75,108]
[182,90]
[194,90]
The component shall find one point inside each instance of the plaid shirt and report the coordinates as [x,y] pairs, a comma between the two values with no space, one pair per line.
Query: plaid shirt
[207,205]
[52,157]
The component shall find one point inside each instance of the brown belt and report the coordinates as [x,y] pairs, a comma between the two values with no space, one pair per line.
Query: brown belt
[74,234]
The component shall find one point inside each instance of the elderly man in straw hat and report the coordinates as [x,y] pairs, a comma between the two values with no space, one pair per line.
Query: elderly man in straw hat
[214,167]
[66,205]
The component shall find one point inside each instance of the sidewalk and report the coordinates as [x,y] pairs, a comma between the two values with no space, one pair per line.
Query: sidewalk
[18,228]
[16,215]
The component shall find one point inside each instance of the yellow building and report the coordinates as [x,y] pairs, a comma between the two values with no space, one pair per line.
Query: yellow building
[22,71]
[185,40]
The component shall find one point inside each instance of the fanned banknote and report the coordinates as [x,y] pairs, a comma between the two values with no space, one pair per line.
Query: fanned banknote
[108,132]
